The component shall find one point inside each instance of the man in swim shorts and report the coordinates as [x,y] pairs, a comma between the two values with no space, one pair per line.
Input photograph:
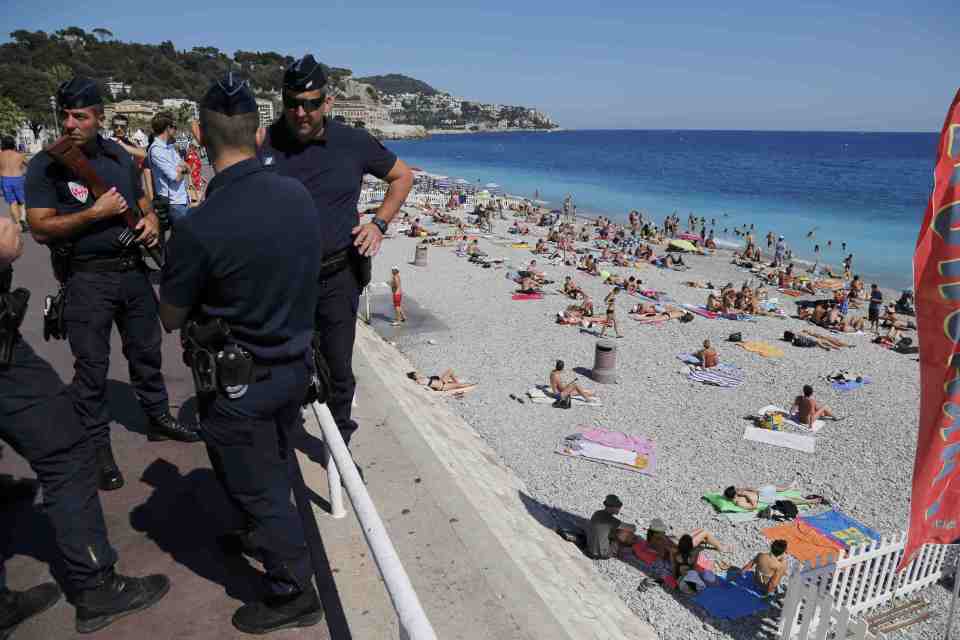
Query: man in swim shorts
[12,163]
[399,315]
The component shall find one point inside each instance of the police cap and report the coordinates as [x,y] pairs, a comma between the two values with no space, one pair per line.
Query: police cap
[78,93]
[230,96]
[305,74]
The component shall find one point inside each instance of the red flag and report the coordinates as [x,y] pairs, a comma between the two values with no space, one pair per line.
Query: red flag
[935,503]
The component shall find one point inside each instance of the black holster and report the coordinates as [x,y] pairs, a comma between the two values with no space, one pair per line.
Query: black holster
[13,308]
[362,267]
[321,382]
[218,364]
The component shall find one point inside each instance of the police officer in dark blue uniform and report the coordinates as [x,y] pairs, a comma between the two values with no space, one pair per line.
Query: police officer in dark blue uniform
[38,419]
[330,159]
[105,279]
[244,300]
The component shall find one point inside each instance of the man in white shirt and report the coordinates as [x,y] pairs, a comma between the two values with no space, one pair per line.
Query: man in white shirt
[169,170]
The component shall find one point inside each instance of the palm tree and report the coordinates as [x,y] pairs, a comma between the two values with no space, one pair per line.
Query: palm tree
[59,73]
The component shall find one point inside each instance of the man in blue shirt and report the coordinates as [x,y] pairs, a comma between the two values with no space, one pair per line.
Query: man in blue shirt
[330,159]
[220,269]
[170,172]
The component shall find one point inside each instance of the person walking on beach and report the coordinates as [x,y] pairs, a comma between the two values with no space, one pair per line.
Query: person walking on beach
[12,163]
[398,314]
[611,301]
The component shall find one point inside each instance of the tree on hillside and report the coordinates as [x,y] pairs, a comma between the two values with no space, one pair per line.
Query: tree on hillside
[11,116]
[30,89]
[59,73]
[103,34]
[183,115]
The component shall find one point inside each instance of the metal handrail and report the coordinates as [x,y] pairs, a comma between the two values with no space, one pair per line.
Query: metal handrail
[414,624]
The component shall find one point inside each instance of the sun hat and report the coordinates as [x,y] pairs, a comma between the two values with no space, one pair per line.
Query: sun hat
[657,525]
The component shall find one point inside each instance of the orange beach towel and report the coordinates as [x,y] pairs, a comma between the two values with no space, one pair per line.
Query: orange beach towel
[804,542]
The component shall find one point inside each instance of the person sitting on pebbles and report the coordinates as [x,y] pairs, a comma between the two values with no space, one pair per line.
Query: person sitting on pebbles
[563,390]
[769,568]
[528,285]
[666,546]
[446,381]
[607,534]
[808,410]
[571,289]
[708,356]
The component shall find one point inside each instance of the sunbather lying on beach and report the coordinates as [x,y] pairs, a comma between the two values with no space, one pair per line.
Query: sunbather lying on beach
[889,319]
[564,390]
[666,546]
[749,498]
[769,568]
[529,285]
[708,356]
[446,381]
[809,410]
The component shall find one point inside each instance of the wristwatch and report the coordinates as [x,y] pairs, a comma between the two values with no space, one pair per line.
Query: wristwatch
[381,224]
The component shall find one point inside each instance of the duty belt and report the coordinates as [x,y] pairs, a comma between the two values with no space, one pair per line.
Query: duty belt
[123,263]
[334,263]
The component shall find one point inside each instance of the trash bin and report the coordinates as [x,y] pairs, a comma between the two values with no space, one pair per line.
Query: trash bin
[605,362]
[420,257]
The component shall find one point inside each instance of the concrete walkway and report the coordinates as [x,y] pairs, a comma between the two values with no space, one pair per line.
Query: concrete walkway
[463,525]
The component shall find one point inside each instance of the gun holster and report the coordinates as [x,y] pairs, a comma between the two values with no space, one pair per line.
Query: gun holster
[53,315]
[321,382]
[161,206]
[13,308]
[217,363]
[362,267]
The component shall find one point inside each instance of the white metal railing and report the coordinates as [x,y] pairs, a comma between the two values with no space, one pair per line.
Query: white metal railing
[414,624]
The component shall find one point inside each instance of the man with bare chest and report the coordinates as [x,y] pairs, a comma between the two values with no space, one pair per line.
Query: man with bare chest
[12,163]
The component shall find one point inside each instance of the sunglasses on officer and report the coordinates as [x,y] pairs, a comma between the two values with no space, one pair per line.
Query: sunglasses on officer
[308,104]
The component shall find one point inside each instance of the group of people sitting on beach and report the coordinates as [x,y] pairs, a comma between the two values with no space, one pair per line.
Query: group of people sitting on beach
[746,299]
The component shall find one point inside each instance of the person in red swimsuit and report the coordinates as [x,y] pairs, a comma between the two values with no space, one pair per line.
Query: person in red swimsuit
[196,180]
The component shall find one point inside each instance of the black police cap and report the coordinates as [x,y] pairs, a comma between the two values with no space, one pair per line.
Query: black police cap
[305,74]
[230,96]
[78,93]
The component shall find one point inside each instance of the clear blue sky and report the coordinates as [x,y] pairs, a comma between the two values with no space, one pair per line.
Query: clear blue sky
[880,65]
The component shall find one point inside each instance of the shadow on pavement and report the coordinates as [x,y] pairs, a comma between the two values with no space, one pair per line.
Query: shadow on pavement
[419,319]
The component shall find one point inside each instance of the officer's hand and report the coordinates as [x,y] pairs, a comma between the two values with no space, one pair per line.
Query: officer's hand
[368,239]
[110,204]
[149,230]
[11,242]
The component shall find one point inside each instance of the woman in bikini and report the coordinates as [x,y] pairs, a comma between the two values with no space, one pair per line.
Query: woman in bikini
[446,381]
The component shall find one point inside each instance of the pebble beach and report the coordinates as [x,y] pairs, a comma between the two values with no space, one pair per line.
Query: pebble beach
[463,317]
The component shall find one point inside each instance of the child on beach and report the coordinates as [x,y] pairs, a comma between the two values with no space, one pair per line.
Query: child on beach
[399,315]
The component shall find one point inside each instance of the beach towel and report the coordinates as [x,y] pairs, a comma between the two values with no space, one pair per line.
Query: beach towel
[528,296]
[740,317]
[730,599]
[541,395]
[790,420]
[688,358]
[841,528]
[643,552]
[723,375]
[785,439]
[793,293]
[701,311]
[520,245]
[723,505]
[617,439]
[620,458]
[764,349]
[850,385]
[804,542]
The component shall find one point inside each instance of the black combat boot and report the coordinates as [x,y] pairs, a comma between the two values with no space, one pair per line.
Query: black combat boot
[166,427]
[117,596]
[19,606]
[280,612]
[109,477]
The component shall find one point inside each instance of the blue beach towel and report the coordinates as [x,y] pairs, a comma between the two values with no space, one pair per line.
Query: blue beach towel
[850,385]
[732,599]
[841,528]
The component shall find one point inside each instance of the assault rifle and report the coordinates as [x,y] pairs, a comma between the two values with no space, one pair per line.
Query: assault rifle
[68,155]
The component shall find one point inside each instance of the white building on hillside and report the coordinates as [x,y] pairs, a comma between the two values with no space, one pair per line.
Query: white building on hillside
[117,88]
[265,107]
[174,104]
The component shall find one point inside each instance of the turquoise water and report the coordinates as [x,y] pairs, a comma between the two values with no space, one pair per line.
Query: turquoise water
[866,189]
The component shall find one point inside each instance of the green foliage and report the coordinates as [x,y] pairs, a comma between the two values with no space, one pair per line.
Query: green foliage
[11,116]
[393,83]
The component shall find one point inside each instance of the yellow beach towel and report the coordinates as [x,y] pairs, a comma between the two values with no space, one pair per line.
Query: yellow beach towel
[520,245]
[764,349]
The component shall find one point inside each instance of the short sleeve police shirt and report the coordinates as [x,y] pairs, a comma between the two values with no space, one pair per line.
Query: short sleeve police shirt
[263,284]
[332,169]
[50,185]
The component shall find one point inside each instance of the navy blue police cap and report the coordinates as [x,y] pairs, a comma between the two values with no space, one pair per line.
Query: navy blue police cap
[78,93]
[305,74]
[230,96]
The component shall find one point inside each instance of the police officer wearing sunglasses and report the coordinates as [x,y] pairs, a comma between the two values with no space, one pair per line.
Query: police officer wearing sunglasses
[330,159]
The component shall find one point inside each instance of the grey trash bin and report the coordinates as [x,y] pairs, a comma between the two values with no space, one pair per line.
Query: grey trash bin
[605,362]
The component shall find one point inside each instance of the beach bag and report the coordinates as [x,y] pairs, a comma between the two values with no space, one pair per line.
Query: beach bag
[788,336]
[563,403]
[736,337]
[686,317]
[780,511]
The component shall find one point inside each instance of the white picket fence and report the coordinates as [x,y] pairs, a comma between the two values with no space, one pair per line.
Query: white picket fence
[810,613]
[830,591]
[864,577]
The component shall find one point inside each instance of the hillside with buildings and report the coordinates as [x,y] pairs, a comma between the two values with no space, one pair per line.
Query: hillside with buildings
[138,80]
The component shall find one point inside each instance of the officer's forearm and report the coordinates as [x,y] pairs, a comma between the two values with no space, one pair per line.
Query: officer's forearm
[394,198]
[46,226]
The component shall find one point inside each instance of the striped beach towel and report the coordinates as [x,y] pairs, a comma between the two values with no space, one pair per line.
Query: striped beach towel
[722,375]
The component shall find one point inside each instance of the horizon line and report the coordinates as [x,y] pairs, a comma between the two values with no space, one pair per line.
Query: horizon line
[563,129]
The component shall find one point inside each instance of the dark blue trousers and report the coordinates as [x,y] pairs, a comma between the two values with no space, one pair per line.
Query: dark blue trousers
[39,421]
[95,301]
[336,325]
[248,440]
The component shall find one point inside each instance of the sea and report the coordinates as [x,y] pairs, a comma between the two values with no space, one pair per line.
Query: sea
[868,190]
